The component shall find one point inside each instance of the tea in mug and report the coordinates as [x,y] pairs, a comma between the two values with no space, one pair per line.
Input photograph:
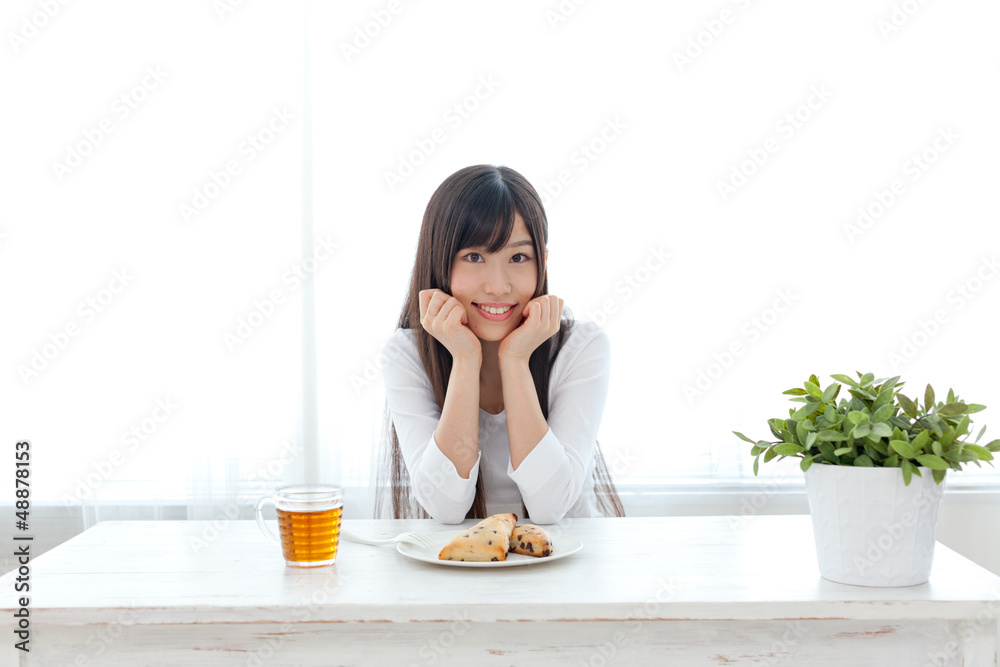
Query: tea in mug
[309,537]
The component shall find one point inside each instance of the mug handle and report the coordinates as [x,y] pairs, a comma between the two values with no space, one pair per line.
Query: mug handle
[260,520]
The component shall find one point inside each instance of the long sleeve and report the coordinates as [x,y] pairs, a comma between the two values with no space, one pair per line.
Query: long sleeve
[552,477]
[434,480]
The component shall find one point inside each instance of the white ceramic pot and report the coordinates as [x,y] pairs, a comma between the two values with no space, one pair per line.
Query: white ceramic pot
[871,529]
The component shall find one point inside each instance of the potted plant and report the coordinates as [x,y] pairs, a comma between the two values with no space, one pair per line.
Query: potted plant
[874,462]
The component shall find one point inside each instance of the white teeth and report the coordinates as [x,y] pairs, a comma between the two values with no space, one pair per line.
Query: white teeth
[495,311]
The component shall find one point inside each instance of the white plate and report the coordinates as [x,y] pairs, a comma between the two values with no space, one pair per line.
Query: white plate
[562,546]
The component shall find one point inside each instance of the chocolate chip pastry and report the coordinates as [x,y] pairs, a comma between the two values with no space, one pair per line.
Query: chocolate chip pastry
[487,541]
[530,540]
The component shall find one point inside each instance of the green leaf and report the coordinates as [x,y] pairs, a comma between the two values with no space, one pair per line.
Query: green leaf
[879,447]
[795,391]
[953,410]
[974,407]
[933,462]
[883,413]
[788,450]
[928,397]
[867,378]
[908,407]
[864,461]
[845,379]
[842,451]
[756,462]
[981,452]
[932,422]
[814,390]
[743,437]
[826,449]
[921,440]
[963,426]
[830,393]
[811,439]
[769,454]
[981,431]
[861,431]
[806,463]
[907,472]
[881,431]
[994,445]
[856,417]
[862,394]
[902,448]
[937,448]
[805,410]
[830,436]
[814,380]
[939,475]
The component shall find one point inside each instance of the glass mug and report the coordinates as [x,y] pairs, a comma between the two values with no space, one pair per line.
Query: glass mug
[309,522]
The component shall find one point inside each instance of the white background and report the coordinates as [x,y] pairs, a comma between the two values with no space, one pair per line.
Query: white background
[302,393]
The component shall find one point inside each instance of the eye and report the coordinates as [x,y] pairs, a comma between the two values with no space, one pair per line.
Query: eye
[473,255]
[521,254]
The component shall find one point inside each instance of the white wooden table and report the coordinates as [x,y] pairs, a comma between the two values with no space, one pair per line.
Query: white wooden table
[677,590]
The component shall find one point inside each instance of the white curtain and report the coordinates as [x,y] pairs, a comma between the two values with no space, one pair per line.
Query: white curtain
[204,242]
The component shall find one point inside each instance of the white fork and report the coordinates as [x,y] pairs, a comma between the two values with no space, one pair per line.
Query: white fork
[413,538]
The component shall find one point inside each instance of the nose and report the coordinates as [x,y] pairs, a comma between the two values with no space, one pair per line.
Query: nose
[497,281]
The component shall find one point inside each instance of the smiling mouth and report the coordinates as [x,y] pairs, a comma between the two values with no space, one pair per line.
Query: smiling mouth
[492,310]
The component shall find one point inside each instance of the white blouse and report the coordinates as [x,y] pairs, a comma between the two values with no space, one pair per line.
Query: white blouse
[556,479]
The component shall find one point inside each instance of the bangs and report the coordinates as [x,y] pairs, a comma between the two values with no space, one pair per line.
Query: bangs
[488,221]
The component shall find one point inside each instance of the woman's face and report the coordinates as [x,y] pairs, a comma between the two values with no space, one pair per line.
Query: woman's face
[504,281]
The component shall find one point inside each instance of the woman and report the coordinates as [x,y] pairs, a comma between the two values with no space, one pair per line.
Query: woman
[493,400]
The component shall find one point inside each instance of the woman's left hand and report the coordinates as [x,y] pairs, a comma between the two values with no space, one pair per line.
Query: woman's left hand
[542,318]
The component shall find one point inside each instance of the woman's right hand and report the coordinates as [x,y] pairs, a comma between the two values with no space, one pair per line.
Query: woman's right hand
[444,317]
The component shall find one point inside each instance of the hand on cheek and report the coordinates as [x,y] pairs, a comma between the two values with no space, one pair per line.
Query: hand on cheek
[542,316]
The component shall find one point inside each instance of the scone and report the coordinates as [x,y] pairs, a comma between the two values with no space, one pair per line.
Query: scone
[487,541]
[530,540]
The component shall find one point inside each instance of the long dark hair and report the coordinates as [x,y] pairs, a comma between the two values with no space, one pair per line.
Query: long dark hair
[474,207]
